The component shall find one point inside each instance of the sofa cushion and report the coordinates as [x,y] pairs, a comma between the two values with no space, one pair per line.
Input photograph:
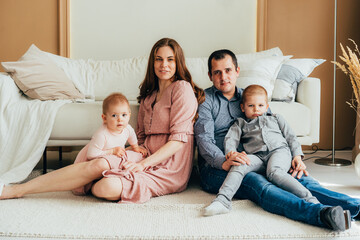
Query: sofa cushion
[40,78]
[292,72]
[276,51]
[80,71]
[97,79]
[76,121]
[261,71]
[123,76]
[296,114]
[79,121]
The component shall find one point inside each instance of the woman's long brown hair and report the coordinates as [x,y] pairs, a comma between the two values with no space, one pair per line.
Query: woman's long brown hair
[151,81]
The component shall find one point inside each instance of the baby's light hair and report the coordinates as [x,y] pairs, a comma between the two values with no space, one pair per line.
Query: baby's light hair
[112,99]
[254,90]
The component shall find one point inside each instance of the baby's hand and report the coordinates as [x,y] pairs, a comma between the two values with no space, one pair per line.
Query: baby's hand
[139,149]
[118,151]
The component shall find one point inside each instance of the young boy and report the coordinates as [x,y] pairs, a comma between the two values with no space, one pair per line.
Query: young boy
[270,144]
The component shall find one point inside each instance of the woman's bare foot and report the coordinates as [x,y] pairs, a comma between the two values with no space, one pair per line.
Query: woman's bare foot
[9,192]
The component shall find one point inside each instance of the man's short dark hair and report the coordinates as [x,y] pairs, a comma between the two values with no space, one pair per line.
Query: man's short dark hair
[221,54]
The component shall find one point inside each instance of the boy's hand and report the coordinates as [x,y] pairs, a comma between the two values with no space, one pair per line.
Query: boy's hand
[298,168]
[118,151]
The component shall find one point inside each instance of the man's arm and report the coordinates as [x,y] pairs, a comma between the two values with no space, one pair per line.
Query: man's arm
[204,133]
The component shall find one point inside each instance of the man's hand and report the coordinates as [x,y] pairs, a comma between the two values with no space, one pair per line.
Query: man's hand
[235,159]
[118,151]
[298,168]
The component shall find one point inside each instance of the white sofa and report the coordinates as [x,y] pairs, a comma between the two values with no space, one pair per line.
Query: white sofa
[76,122]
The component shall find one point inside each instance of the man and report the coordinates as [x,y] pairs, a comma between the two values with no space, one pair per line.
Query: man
[219,111]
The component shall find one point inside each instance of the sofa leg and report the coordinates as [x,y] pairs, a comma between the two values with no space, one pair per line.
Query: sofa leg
[60,157]
[44,161]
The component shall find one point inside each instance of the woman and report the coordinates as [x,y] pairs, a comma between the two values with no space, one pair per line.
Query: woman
[168,104]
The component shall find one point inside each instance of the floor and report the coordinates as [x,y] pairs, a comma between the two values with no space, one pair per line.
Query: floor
[342,179]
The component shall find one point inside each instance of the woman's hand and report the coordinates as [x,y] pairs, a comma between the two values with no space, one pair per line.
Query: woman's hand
[118,151]
[133,166]
[235,159]
[138,149]
[298,168]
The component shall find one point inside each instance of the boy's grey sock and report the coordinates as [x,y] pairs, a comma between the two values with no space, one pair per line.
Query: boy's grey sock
[215,208]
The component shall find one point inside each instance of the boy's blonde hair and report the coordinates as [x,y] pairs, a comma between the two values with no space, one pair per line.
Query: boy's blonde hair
[254,90]
[114,98]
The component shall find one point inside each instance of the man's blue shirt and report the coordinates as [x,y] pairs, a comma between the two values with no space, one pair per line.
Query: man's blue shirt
[216,116]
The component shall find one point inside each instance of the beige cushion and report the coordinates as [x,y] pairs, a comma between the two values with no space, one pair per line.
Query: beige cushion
[39,77]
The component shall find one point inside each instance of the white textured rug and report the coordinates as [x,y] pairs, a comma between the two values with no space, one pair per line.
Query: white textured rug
[63,216]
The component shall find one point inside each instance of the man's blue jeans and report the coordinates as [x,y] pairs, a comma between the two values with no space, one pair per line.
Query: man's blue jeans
[257,188]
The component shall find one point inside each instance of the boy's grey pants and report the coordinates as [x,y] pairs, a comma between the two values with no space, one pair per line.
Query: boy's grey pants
[277,163]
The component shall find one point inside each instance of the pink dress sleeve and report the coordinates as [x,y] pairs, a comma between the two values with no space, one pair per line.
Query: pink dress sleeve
[140,130]
[182,113]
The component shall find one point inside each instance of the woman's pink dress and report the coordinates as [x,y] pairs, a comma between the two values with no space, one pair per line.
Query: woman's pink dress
[171,118]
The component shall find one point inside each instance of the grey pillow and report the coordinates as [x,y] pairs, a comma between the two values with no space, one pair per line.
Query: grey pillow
[291,73]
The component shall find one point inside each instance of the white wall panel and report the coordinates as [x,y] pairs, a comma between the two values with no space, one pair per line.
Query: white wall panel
[117,29]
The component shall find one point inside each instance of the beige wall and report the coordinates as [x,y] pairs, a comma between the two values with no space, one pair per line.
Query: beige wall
[23,22]
[305,29]
[301,28]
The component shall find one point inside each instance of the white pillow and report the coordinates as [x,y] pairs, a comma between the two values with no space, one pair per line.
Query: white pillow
[80,71]
[262,71]
[291,73]
[198,67]
[256,55]
[123,76]
[99,78]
